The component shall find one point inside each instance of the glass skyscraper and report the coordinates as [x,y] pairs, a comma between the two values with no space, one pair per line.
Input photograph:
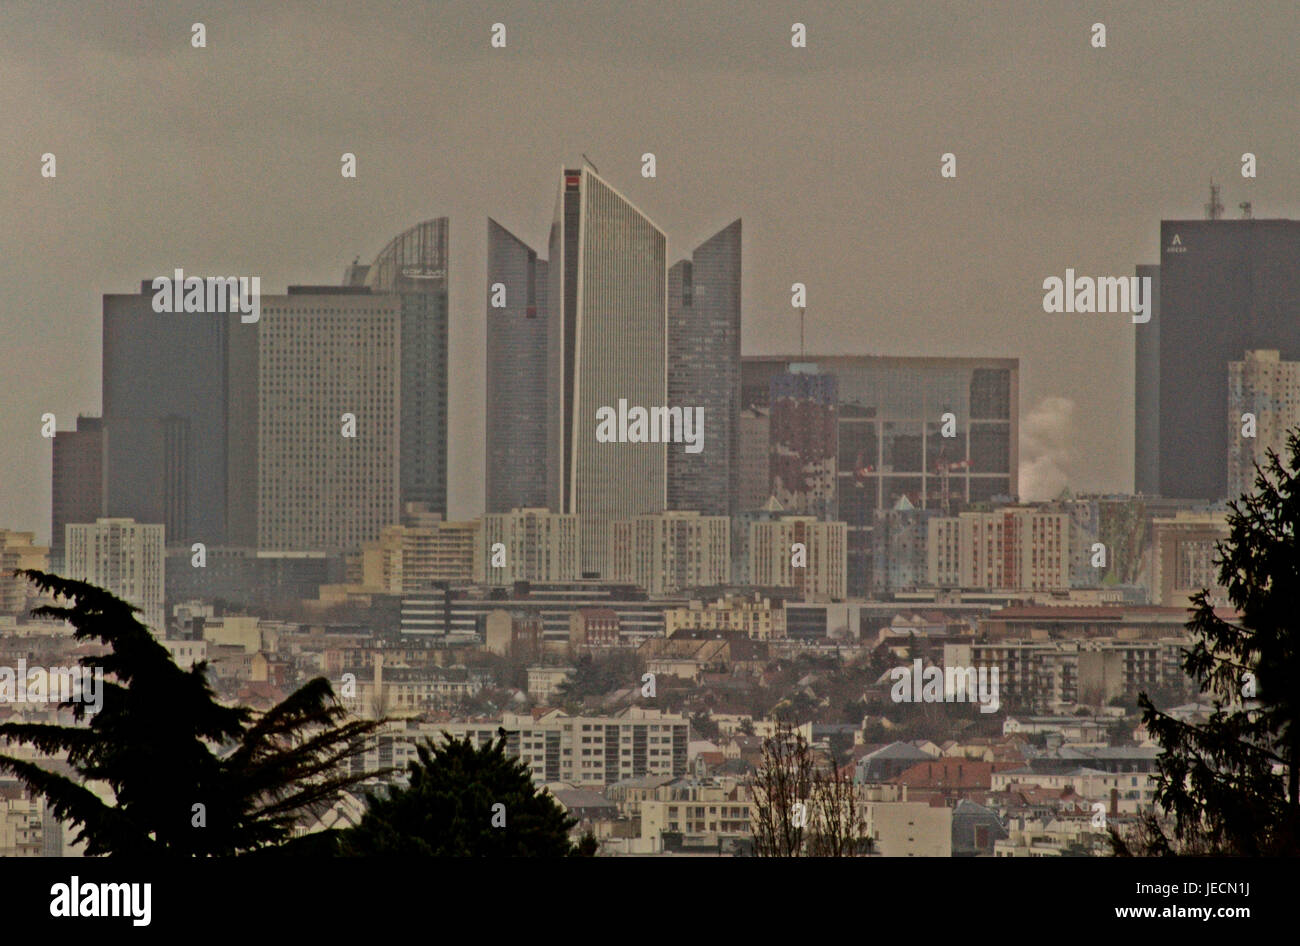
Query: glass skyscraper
[607,340]
[891,447]
[414,265]
[704,371]
[516,375]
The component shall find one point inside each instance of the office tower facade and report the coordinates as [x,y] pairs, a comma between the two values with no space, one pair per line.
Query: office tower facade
[704,371]
[323,353]
[165,378]
[890,418]
[1267,389]
[1226,287]
[1146,392]
[607,335]
[248,578]
[804,442]
[516,374]
[538,545]
[891,439]
[77,481]
[671,551]
[123,556]
[415,267]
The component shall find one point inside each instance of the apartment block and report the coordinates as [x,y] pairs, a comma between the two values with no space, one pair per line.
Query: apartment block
[19,550]
[800,553]
[536,544]
[123,556]
[1184,556]
[585,751]
[667,552]
[418,554]
[1263,406]
[756,618]
[1010,549]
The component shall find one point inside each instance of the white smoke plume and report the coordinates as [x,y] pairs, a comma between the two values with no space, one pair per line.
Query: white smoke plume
[1046,449]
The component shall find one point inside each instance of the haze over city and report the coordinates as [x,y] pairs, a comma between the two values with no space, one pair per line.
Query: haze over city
[226,160]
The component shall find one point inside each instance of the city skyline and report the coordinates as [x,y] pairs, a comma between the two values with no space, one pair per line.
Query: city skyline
[1026,184]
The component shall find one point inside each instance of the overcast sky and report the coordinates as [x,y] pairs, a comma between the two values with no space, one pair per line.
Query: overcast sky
[226,160]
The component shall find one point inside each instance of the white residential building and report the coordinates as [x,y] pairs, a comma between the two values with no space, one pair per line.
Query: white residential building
[123,556]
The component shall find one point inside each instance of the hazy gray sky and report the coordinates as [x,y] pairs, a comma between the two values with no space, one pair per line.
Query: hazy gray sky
[226,160]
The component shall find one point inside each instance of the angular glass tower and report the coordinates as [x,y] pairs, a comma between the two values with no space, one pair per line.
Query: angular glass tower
[704,371]
[414,265]
[607,340]
[516,375]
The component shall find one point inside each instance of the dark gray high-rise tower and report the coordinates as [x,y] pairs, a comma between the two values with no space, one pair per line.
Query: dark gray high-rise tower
[704,371]
[516,374]
[76,481]
[165,383]
[1224,287]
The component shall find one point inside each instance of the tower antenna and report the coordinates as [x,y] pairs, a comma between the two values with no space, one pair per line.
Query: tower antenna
[1214,209]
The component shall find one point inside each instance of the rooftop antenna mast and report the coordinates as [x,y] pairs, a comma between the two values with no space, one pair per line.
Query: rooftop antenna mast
[1214,209]
[591,162]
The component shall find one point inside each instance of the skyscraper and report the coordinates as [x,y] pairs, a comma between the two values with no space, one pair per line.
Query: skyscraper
[893,434]
[1225,287]
[414,265]
[607,337]
[704,371]
[327,354]
[516,374]
[165,377]
[76,482]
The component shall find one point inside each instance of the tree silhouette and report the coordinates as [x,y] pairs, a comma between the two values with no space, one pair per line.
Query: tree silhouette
[464,801]
[187,775]
[1232,785]
[802,809]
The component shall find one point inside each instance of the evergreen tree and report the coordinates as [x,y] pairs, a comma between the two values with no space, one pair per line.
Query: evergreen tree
[188,776]
[1232,785]
[463,801]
